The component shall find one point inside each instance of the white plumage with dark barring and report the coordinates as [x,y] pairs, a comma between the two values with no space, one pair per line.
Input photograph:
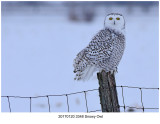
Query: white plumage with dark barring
[105,50]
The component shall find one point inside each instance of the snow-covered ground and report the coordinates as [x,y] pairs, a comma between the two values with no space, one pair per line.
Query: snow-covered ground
[38,53]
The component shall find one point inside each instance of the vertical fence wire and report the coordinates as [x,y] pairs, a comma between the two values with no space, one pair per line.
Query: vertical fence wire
[48,104]
[30,104]
[141,99]
[67,102]
[9,104]
[86,100]
[123,99]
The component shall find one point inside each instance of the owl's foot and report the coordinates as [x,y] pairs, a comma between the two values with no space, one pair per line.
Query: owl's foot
[114,71]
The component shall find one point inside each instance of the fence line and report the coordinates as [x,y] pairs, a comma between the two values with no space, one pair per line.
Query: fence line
[85,95]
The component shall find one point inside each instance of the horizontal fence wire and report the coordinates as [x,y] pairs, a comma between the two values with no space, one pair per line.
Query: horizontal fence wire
[85,95]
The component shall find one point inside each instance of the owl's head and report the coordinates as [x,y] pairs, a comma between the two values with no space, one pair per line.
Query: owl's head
[114,21]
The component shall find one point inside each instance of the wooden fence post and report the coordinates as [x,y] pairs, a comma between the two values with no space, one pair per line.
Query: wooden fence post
[108,92]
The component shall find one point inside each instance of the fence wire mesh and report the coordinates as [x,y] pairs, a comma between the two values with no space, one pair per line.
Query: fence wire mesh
[143,108]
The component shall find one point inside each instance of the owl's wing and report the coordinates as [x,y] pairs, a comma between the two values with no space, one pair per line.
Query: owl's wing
[101,46]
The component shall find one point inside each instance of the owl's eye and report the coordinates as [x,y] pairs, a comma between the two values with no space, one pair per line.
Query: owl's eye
[118,18]
[110,18]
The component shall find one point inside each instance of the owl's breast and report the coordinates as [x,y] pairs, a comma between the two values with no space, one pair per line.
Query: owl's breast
[117,52]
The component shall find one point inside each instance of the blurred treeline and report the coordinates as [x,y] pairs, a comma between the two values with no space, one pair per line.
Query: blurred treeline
[74,10]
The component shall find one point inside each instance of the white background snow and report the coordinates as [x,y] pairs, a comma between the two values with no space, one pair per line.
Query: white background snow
[38,52]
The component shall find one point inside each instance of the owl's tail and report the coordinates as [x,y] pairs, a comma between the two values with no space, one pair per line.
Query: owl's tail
[82,67]
[86,74]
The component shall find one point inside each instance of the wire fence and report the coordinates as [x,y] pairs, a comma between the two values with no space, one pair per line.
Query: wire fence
[86,103]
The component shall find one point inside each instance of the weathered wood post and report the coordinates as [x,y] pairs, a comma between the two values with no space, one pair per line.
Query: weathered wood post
[108,92]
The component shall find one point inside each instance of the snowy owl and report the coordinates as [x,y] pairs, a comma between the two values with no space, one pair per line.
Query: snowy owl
[105,50]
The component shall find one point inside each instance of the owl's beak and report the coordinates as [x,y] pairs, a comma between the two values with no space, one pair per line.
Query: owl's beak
[114,23]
